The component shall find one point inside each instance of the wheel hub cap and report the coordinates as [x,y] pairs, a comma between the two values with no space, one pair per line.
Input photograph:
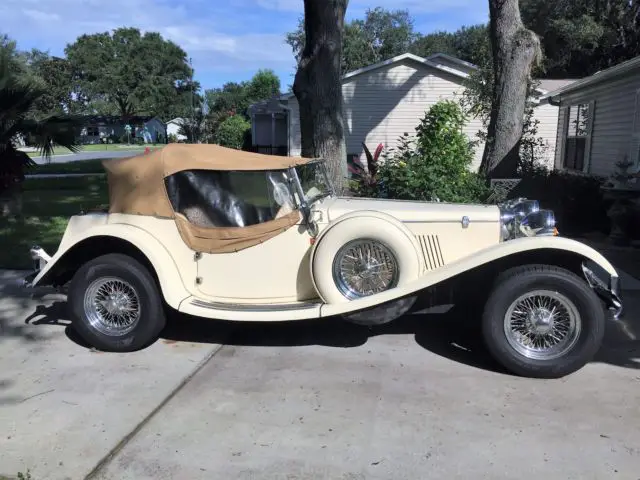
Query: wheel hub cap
[112,306]
[542,324]
[364,267]
[541,321]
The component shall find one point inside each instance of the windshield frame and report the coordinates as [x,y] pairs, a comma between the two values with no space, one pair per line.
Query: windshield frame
[304,201]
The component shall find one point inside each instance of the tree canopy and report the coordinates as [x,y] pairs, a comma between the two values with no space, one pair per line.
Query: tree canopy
[234,98]
[579,37]
[134,73]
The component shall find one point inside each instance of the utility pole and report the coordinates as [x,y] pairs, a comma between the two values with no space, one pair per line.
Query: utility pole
[193,112]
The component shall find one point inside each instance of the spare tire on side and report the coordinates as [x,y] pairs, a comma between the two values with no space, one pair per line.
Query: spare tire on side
[363,255]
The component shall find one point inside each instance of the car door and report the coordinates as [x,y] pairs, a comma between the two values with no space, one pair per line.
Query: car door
[251,243]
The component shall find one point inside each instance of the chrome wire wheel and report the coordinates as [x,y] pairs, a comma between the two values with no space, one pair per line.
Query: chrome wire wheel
[112,306]
[542,325]
[365,267]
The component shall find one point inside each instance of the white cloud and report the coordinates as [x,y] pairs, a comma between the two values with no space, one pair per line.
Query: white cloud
[58,22]
[40,16]
[414,6]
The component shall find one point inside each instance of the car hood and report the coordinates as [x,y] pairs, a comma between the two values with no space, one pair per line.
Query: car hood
[413,211]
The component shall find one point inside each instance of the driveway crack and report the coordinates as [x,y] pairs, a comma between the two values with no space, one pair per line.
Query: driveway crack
[106,460]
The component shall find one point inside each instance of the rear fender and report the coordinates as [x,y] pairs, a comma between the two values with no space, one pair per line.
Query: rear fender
[171,283]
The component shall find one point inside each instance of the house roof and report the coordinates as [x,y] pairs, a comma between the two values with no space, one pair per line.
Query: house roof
[551,84]
[598,77]
[397,59]
[177,120]
[113,119]
[432,61]
[462,63]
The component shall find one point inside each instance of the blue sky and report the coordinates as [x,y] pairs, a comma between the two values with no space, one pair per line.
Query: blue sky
[228,40]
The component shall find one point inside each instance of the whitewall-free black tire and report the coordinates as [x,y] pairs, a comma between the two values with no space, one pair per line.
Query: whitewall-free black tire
[115,305]
[542,321]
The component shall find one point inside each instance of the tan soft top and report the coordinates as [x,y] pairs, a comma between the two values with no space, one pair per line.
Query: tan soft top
[136,186]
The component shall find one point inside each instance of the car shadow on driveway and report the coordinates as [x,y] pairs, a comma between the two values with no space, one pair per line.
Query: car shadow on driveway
[449,335]
[454,335]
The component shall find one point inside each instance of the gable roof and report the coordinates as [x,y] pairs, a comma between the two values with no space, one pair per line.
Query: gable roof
[598,77]
[398,59]
[452,59]
[430,61]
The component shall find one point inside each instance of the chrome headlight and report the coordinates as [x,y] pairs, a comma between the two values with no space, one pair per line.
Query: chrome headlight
[542,222]
[522,217]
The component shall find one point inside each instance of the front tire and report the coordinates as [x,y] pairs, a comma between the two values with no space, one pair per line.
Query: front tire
[115,305]
[542,321]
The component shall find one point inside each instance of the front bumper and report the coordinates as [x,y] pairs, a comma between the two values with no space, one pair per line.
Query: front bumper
[40,259]
[610,290]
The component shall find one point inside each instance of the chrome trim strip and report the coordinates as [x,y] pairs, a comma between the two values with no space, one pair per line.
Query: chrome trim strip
[254,308]
[449,221]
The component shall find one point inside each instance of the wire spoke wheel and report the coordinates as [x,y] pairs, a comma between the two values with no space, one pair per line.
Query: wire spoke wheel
[112,306]
[542,325]
[365,267]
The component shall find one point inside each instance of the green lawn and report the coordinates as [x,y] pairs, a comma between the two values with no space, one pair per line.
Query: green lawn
[80,166]
[101,148]
[47,206]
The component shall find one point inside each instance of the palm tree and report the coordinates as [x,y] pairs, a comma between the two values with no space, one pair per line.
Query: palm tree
[17,100]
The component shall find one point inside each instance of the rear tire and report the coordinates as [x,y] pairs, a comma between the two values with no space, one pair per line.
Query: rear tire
[542,321]
[115,305]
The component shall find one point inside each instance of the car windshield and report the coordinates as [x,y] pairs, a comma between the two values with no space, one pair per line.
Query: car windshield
[314,181]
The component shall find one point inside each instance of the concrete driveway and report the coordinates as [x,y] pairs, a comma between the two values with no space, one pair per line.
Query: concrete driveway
[307,400]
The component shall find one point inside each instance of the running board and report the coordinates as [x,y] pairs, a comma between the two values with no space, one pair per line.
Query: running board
[258,307]
[271,312]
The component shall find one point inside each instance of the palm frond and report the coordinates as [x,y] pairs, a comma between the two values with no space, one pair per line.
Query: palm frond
[18,97]
[52,131]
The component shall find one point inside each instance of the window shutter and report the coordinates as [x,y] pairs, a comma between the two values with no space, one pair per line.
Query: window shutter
[587,148]
[634,154]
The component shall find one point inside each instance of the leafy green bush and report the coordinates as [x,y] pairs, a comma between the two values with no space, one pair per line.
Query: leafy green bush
[233,132]
[434,165]
[576,200]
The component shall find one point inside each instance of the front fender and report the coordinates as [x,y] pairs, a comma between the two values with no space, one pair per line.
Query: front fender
[484,257]
[172,285]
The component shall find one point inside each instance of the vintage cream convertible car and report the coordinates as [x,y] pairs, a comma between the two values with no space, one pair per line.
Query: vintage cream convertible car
[232,235]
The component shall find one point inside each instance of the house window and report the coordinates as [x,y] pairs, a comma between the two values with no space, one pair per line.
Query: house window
[92,131]
[577,136]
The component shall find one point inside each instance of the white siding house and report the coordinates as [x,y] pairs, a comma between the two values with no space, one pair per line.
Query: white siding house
[173,128]
[599,121]
[384,101]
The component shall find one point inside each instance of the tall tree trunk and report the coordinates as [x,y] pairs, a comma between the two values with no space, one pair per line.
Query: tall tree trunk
[318,87]
[515,50]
